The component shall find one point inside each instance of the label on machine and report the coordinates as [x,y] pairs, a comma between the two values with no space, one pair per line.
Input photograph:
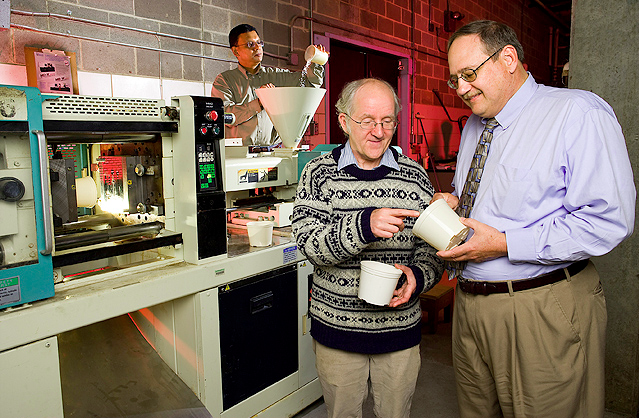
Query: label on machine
[257,175]
[290,254]
[9,290]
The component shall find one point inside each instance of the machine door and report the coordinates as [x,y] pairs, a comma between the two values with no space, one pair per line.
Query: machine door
[26,242]
[258,333]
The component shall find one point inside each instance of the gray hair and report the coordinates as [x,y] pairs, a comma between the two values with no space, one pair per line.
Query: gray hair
[346,97]
[493,36]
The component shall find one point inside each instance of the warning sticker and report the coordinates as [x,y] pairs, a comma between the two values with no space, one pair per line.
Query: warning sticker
[257,175]
[9,290]
[290,254]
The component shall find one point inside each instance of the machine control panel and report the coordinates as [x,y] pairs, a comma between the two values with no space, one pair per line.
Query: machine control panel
[206,166]
[209,126]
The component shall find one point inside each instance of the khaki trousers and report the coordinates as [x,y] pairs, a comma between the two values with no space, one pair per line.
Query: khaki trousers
[534,353]
[345,378]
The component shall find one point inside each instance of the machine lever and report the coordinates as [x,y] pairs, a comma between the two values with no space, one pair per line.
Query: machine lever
[46,201]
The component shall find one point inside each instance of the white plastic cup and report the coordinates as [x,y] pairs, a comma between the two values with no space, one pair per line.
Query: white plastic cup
[315,55]
[439,226]
[377,281]
[260,233]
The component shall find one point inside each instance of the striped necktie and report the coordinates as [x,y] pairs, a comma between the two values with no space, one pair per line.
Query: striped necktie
[469,193]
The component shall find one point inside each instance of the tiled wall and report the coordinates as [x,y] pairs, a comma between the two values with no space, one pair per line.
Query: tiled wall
[409,27]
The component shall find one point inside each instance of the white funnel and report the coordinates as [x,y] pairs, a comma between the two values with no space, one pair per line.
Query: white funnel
[291,109]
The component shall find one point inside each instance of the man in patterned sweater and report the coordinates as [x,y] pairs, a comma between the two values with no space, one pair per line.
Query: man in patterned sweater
[360,203]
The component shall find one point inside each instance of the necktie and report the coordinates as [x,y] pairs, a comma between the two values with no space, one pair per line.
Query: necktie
[469,192]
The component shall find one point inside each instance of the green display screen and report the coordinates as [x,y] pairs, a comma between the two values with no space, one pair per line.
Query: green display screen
[207,176]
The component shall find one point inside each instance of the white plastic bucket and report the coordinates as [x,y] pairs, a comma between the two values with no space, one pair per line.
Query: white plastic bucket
[439,226]
[377,281]
[260,233]
[314,54]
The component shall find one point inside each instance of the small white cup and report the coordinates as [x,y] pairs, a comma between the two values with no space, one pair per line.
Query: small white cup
[439,226]
[313,54]
[260,233]
[377,281]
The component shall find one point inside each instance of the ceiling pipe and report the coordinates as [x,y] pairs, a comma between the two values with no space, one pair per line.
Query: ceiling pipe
[115,26]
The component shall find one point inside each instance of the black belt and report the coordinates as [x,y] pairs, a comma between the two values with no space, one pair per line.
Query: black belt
[486,288]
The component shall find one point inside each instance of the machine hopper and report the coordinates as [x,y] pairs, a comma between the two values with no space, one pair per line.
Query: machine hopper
[291,109]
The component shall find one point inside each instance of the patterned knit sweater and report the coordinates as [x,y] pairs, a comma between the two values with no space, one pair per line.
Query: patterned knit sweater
[331,223]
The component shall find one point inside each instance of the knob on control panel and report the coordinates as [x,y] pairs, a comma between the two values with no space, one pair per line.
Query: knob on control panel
[211,115]
[11,189]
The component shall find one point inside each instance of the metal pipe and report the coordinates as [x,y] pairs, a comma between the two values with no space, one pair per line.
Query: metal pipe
[112,25]
[310,26]
[47,217]
[91,221]
[86,38]
[551,33]
[118,233]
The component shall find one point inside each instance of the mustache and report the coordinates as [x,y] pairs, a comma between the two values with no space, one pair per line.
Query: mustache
[471,94]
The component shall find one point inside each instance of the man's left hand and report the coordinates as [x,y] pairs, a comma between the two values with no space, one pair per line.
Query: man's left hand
[403,294]
[486,243]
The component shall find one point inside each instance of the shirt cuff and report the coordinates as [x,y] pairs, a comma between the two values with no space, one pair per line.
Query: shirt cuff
[521,246]
[366,226]
[419,279]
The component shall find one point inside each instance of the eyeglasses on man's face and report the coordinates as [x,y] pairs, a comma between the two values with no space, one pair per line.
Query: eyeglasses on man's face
[468,75]
[252,44]
[369,124]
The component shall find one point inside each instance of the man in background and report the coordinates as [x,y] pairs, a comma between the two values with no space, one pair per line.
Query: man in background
[544,180]
[237,87]
[359,202]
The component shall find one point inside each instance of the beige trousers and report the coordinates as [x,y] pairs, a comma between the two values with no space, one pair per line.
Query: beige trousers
[534,353]
[345,379]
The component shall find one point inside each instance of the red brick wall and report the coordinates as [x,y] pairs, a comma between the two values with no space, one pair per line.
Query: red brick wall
[403,25]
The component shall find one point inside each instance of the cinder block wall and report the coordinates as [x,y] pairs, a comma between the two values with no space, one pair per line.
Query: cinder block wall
[206,20]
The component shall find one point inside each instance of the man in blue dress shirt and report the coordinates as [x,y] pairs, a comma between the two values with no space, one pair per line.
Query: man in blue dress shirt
[557,188]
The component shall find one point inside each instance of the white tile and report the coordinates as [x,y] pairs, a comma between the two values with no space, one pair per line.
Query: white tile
[172,88]
[207,88]
[135,87]
[14,75]
[94,84]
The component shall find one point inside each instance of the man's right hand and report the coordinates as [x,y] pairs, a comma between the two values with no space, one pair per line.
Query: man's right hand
[386,222]
[451,199]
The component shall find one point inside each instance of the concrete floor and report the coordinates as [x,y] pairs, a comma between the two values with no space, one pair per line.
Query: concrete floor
[109,370]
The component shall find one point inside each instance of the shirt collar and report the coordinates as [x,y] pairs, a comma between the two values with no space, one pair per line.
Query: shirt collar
[348,158]
[247,74]
[516,104]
